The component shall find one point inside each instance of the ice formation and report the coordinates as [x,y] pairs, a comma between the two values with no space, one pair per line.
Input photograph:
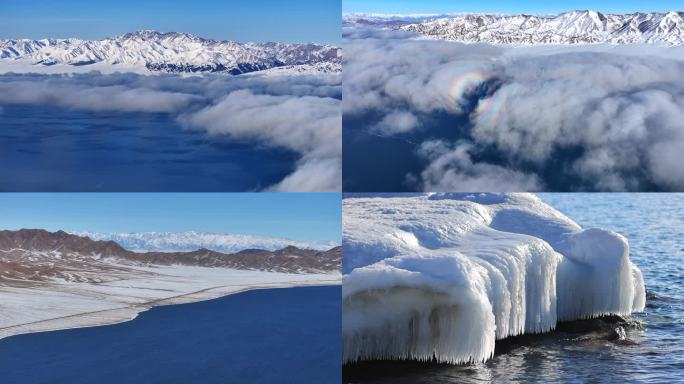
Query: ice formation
[446,275]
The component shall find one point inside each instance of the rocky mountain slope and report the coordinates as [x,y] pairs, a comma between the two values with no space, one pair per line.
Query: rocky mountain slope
[37,255]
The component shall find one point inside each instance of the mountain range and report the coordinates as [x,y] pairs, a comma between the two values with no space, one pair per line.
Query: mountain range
[171,53]
[36,254]
[193,240]
[574,27]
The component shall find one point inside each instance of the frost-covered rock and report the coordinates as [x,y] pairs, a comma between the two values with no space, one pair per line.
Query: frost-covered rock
[446,275]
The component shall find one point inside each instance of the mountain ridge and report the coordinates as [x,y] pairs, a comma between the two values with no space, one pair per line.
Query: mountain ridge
[40,253]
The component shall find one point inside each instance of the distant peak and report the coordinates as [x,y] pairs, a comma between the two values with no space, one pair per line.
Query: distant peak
[143,32]
[150,34]
[673,14]
[584,12]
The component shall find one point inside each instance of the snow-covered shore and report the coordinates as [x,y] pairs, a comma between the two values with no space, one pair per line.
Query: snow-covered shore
[445,275]
[27,307]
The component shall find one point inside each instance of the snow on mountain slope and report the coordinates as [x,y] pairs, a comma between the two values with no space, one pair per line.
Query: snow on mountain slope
[169,52]
[193,240]
[575,27]
[446,275]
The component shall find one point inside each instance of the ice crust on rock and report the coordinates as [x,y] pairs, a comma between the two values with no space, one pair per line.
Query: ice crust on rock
[446,275]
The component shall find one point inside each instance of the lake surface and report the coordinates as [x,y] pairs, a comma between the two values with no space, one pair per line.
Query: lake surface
[376,162]
[44,148]
[650,353]
[263,336]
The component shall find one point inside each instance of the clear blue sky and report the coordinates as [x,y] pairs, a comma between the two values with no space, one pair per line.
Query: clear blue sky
[297,216]
[501,6]
[253,20]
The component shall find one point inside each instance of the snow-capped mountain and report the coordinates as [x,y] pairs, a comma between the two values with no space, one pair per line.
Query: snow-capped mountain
[193,240]
[170,52]
[576,27]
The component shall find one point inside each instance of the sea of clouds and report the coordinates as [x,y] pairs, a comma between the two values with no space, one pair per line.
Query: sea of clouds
[299,113]
[599,117]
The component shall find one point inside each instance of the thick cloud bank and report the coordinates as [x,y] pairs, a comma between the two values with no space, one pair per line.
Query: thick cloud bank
[556,118]
[307,124]
[298,113]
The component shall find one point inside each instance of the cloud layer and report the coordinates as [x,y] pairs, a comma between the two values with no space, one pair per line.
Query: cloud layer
[309,125]
[574,118]
[299,113]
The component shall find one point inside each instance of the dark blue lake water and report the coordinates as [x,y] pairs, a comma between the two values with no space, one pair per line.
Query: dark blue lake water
[263,336]
[652,352]
[375,162]
[45,148]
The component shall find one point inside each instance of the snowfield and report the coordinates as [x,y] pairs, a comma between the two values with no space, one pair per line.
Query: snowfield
[446,275]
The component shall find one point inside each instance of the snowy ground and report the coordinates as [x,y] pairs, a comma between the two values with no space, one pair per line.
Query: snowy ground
[446,275]
[27,307]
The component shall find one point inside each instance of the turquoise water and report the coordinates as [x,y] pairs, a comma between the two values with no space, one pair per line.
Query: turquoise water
[651,352]
[264,336]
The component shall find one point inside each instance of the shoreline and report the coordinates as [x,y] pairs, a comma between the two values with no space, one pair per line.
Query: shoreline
[597,328]
[130,312]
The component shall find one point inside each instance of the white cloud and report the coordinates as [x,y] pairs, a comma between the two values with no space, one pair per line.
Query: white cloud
[98,98]
[397,122]
[308,125]
[452,169]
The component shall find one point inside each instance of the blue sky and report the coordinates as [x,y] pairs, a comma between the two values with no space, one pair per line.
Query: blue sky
[297,216]
[500,6]
[254,20]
